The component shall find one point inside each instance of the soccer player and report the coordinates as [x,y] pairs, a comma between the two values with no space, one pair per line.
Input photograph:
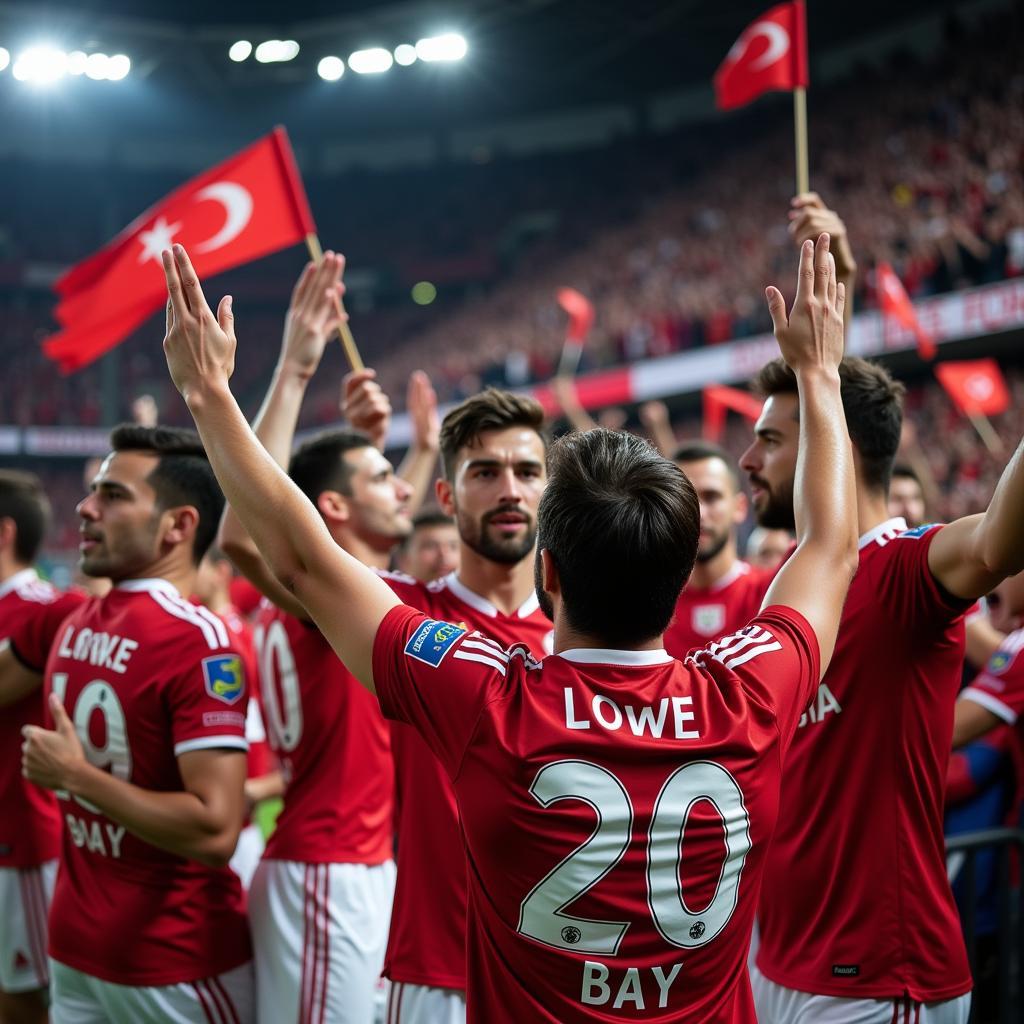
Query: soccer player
[320,900]
[576,779]
[432,549]
[767,548]
[906,496]
[724,592]
[147,754]
[857,918]
[29,822]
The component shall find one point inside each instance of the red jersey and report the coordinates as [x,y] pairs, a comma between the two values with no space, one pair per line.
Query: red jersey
[146,676]
[333,746]
[615,806]
[427,940]
[30,823]
[856,901]
[259,760]
[704,614]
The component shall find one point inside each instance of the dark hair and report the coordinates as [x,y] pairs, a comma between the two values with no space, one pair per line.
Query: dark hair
[431,517]
[872,402]
[906,471]
[621,525]
[490,410]
[23,500]
[183,474]
[698,451]
[318,465]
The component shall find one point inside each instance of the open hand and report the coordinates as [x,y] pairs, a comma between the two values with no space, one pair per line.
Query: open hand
[421,403]
[811,337]
[365,405]
[313,313]
[200,348]
[49,758]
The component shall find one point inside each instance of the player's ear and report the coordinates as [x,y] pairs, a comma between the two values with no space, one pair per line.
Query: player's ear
[443,491]
[549,574]
[741,507]
[180,524]
[8,533]
[334,507]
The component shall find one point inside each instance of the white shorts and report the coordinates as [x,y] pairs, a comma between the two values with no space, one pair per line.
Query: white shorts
[78,998]
[319,933]
[248,851]
[421,1004]
[25,895]
[778,1005]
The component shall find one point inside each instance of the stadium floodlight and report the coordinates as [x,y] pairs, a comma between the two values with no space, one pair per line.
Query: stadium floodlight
[118,67]
[405,55]
[76,62]
[240,51]
[330,69]
[370,62]
[274,51]
[40,65]
[97,66]
[450,46]
[5,58]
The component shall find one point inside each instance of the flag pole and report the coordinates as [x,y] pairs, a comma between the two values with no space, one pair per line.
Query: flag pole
[803,183]
[348,343]
[986,432]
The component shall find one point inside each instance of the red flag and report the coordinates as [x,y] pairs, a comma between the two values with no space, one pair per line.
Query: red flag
[977,386]
[895,303]
[718,400]
[771,53]
[250,205]
[581,319]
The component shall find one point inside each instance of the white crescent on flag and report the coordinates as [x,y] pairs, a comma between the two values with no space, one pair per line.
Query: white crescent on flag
[778,44]
[237,203]
[979,387]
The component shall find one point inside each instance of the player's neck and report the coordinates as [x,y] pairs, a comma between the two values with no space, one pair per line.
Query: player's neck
[10,567]
[363,550]
[182,575]
[507,587]
[706,574]
[872,509]
[568,639]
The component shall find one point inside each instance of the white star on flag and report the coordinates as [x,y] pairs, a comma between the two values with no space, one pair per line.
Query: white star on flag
[157,238]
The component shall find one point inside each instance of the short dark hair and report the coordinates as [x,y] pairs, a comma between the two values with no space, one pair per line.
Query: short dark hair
[698,451]
[431,517]
[318,465]
[872,403]
[907,472]
[24,502]
[621,524]
[182,476]
[490,410]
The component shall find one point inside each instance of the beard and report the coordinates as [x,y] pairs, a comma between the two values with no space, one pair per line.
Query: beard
[776,510]
[714,546]
[503,550]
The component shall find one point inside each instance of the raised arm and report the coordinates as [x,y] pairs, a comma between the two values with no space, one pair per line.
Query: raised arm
[815,580]
[971,556]
[809,217]
[345,599]
[310,321]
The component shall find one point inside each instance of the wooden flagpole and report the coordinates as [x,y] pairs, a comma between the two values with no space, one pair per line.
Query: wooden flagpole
[986,432]
[803,182]
[348,343]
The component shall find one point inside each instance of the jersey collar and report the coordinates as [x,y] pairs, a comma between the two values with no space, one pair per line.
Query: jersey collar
[736,570]
[607,656]
[896,525]
[19,579]
[481,604]
[148,586]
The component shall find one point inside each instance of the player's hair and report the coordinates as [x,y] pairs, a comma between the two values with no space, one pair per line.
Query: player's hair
[182,476]
[621,524]
[697,451]
[24,502]
[319,465]
[490,410]
[872,402]
[431,517]
[906,472]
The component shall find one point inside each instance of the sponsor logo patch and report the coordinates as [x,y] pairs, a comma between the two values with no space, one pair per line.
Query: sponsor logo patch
[432,641]
[999,662]
[224,677]
[918,531]
[845,970]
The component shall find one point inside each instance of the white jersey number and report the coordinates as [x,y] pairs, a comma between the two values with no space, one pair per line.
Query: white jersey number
[542,913]
[279,684]
[114,755]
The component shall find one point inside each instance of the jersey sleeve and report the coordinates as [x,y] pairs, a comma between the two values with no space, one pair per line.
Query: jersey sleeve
[208,701]
[777,661]
[33,637]
[999,686]
[437,677]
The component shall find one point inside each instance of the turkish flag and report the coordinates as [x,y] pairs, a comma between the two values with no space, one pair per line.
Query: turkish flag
[247,207]
[895,303]
[770,54]
[718,400]
[581,319]
[976,386]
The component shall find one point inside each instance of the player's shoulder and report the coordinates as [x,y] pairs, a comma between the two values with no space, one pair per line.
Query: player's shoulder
[165,615]
[408,588]
[1008,658]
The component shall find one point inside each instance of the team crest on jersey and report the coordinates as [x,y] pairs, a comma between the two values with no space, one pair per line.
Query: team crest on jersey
[999,662]
[224,677]
[433,640]
[918,531]
[708,619]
